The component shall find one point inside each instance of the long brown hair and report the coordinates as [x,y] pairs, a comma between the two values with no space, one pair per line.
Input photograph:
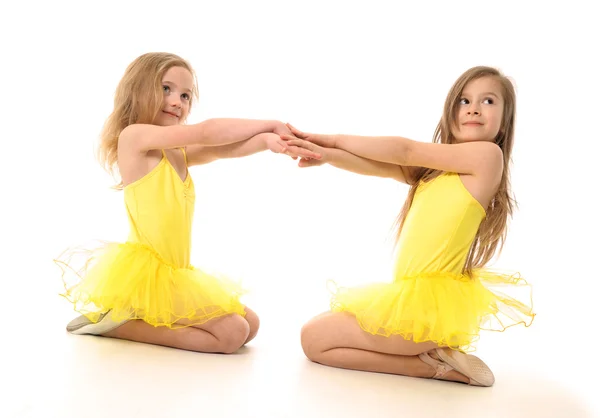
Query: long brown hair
[138,99]
[492,231]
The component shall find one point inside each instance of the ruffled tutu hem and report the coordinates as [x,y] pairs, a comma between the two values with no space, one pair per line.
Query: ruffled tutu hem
[445,308]
[132,281]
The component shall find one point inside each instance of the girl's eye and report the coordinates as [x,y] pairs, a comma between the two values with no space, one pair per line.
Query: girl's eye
[166,89]
[463,101]
[186,96]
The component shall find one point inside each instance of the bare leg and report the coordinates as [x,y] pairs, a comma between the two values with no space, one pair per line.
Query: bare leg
[336,339]
[220,335]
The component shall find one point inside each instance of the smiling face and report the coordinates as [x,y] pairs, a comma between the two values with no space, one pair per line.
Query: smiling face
[177,85]
[479,112]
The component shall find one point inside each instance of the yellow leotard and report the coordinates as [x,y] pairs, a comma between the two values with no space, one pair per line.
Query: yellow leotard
[430,299]
[150,277]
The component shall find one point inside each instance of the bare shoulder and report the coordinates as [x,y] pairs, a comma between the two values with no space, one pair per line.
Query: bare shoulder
[128,145]
[132,135]
[133,162]
[483,184]
[491,158]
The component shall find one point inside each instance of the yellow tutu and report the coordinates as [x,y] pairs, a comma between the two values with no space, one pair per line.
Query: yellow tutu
[150,276]
[134,282]
[445,308]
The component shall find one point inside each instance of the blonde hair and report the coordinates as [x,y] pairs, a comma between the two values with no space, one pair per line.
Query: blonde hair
[138,99]
[492,231]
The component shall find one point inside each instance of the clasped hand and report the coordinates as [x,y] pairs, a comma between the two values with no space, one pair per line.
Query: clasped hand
[311,149]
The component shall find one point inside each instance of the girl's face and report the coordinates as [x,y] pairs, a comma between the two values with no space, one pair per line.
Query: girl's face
[479,114]
[177,84]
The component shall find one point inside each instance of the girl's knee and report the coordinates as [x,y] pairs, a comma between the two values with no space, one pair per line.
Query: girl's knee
[309,339]
[319,335]
[253,322]
[232,333]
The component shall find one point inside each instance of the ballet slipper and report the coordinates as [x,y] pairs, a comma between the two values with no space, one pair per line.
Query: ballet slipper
[82,325]
[478,373]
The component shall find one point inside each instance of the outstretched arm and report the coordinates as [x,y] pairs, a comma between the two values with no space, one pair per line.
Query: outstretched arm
[466,158]
[212,132]
[324,145]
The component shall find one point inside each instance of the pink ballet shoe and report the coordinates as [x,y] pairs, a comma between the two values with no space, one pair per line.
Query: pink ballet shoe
[478,373]
[82,325]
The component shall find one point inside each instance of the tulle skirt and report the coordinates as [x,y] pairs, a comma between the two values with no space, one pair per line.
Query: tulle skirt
[442,307]
[132,281]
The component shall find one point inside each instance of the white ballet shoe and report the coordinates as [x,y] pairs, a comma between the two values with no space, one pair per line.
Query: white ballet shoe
[82,325]
[478,373]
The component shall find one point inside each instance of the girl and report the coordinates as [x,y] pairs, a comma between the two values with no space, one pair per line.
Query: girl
[453,222]
[145,289]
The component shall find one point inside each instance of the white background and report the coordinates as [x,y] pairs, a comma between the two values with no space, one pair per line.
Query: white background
[371,68]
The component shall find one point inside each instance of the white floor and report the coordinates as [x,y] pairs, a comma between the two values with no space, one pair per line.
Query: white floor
[49,373]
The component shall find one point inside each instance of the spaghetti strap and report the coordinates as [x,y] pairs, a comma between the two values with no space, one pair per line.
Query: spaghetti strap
[184,156]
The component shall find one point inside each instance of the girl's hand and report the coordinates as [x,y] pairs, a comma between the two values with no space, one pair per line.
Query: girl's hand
[276,144]
[327,141]
[309,162]
[282,129]
[307,146]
